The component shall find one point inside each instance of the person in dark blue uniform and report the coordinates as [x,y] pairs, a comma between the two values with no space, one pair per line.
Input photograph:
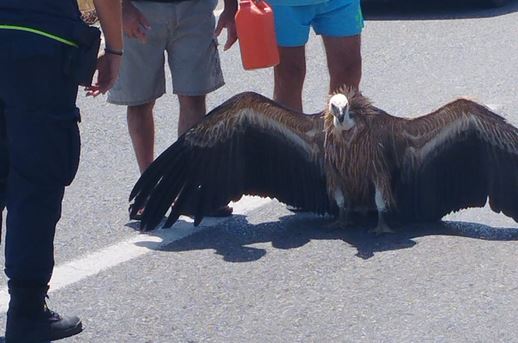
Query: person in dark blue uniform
[42,58]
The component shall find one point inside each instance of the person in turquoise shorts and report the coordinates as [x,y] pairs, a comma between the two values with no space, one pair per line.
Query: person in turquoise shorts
[339,22]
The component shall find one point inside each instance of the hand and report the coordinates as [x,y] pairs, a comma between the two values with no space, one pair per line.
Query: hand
[134,24]
[226,20]
[107,73]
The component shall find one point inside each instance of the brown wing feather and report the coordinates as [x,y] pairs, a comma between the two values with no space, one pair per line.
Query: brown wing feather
[248,145]
[455,158]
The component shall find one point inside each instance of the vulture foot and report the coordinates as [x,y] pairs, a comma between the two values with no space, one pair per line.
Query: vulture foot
[343,221]
[381,228]
[339,223]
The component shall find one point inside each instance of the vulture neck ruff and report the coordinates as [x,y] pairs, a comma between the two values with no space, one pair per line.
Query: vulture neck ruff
[345,109]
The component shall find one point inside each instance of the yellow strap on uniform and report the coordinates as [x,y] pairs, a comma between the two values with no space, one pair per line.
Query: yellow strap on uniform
[38,32]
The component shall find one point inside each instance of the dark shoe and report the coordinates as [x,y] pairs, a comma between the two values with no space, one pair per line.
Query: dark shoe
[29,320]
[50,327]
[137,215]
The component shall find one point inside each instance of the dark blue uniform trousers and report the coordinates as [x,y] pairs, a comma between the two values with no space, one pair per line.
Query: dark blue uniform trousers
[39,151]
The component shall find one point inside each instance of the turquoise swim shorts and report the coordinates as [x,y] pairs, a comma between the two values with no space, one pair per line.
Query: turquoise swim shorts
[333,18]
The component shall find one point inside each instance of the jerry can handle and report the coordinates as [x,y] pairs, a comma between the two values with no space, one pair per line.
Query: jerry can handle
[258,3]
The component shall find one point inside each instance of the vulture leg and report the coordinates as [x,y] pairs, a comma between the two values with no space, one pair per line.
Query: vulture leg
[344,210]
[381,205]
[342,221]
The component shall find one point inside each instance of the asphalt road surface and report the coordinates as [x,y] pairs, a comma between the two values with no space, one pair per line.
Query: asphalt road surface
[267,275]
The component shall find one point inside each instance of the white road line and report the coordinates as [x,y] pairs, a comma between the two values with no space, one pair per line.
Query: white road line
[92,264]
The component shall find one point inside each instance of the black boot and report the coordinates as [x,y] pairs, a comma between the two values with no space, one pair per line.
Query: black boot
[30,321]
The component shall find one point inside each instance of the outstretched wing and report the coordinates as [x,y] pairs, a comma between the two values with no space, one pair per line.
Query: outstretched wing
[247,145]
[455,158]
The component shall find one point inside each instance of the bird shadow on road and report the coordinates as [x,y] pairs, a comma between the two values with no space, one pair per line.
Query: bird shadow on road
[433,10]
[232,239]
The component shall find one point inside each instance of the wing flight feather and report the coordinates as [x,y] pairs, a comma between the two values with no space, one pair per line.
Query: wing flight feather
[247,145]
[455,158]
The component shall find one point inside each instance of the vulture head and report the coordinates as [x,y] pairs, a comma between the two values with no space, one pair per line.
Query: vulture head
[339,108]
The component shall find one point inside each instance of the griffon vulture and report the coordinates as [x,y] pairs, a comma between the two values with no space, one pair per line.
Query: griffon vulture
[351,158]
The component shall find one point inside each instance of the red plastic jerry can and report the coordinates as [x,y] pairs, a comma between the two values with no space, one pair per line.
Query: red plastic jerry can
[256,33]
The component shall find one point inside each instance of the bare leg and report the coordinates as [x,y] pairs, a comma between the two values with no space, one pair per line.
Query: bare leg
[344,61]
[142,132]
[289,77]
[192,111]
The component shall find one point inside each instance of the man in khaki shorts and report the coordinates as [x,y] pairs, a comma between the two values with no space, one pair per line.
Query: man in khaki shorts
[185,29]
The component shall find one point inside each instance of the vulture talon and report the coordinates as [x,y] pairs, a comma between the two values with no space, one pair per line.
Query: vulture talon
[336,224]
[381,229]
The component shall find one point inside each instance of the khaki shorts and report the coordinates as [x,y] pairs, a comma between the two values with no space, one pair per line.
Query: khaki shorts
[185,30]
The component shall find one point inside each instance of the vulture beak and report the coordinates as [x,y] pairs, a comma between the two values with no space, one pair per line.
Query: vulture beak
[339,113]
[339,108]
